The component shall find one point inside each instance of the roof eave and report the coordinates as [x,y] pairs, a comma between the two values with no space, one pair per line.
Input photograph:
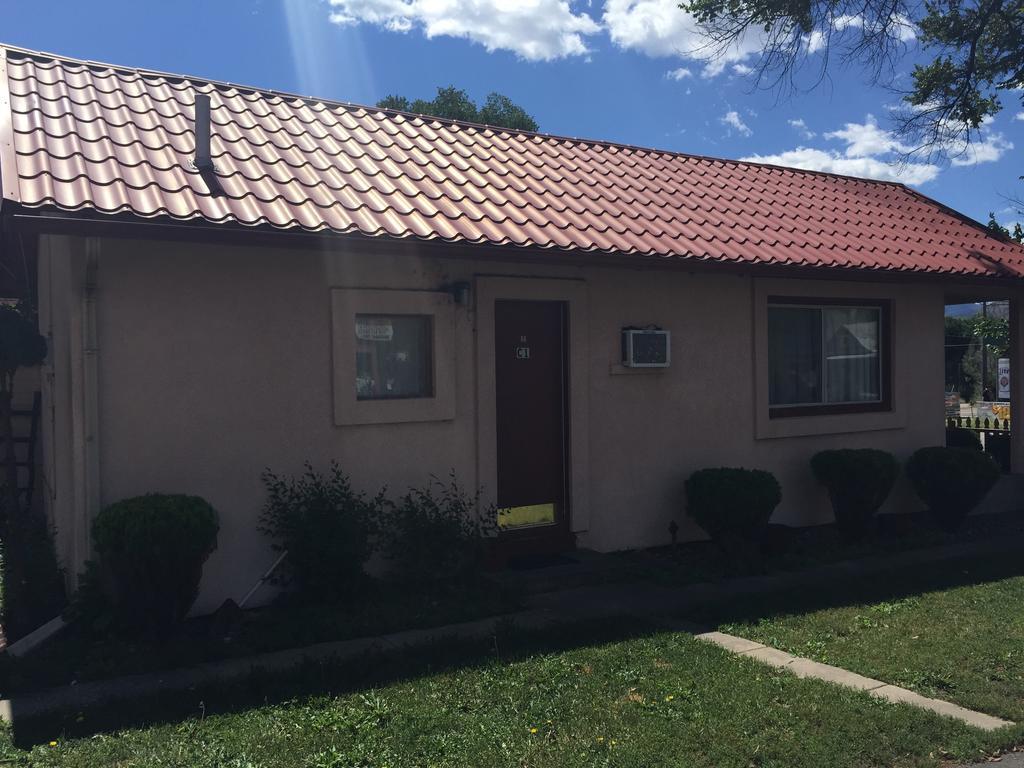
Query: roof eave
[58,222]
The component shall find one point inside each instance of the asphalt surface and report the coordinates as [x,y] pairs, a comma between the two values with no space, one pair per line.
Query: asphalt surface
[1012,760]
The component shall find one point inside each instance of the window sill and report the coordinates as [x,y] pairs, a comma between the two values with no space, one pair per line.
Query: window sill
[827,410]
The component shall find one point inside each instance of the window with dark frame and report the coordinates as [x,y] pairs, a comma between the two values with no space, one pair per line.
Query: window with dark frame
[394,356]
[827,356]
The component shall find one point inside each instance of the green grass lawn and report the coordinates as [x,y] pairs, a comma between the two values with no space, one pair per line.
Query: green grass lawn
[661,699]
[950,632]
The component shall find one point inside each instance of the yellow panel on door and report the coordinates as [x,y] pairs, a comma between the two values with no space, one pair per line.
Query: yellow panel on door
[521,517]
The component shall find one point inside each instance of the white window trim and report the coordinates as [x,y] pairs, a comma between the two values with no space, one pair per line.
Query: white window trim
[346,303]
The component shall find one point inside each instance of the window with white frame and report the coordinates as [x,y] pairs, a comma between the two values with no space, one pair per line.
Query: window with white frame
[827,356]
[393,356]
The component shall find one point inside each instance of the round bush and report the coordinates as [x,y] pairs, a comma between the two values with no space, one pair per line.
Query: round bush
[858,483]
[150,551]
[958,437]
[734,507]
[951,481]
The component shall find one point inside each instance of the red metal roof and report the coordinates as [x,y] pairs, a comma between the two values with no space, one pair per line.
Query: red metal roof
[82,136]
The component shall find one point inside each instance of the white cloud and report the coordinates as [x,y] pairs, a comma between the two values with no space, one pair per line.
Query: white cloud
[801,127]
[874,152]
[902,29]
[659,28]
[868,167]
[734,121]
[870,151]
[988,148]
[742,69]
[866,139]
[678,74]
[536,30]
[1019,116]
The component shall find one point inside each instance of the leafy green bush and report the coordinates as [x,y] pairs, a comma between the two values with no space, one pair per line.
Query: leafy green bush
[150,552]
[858,482]
[951,481]
[958,437]
[734,507]
[437,533]
[325,526]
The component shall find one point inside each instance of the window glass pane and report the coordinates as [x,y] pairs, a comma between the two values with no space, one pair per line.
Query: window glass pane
[852,337]
[393,356]
[794,355]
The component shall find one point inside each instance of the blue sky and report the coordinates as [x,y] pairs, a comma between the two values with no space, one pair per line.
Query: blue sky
[633,71]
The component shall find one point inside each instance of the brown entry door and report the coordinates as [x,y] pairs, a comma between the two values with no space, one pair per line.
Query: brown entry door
[530,372]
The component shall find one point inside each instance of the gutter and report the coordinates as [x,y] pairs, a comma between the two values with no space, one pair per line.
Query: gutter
[134,228]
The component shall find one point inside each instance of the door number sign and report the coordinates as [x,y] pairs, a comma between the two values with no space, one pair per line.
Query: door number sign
[523,350]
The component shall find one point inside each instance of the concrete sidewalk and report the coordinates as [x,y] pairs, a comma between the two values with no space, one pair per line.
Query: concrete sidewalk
[1009,760]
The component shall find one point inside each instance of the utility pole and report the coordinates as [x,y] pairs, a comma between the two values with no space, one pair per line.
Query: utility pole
[984,349]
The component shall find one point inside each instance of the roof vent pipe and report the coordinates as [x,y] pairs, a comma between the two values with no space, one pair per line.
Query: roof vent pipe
[203,160]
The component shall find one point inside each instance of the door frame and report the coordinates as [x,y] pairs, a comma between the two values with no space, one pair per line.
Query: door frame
[573,292]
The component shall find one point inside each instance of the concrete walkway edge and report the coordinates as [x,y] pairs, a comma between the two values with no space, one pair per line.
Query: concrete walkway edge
[802,667]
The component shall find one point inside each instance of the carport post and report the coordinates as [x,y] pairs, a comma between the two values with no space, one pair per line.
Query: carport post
[1016,384]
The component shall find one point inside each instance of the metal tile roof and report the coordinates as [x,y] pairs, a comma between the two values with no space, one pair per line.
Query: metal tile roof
[102,139]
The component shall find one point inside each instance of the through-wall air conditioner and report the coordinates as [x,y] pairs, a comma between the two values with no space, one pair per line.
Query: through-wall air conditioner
[645,348]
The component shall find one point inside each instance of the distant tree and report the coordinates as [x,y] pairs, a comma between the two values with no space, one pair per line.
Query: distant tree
[962,356]
[399,103]
[500,110]
[455,104]
[1017,235]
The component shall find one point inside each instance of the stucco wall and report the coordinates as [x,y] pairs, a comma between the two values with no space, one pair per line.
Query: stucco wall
[215,362]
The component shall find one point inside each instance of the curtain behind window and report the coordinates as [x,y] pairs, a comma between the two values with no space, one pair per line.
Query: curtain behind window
[794,355]
[851,354]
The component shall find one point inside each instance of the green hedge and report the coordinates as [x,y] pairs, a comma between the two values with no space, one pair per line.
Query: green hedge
[951,481]
[734,506]
[150,554]
[859,481]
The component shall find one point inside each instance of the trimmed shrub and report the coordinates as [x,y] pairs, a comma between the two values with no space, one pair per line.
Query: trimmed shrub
[437,533]
[324,526]
[150,553]
[951,481]
[734,507]
[958,437]
[858,482]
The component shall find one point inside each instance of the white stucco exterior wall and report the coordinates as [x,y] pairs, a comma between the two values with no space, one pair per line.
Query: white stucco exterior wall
[215,362]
